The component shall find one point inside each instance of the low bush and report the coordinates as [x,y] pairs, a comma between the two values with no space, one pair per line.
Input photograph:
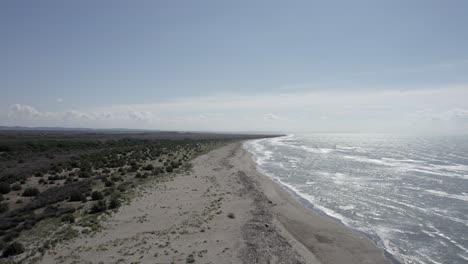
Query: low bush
[84,174]
[30,192]
[190,259]
[148,167]
[108,183]
[5,188]
[68,218]
[11,235]
[122,187]
[114,202]
[13,249]
[99,206]
[16,187]
[96,195]
[76,196]
[4,207]
[115,178]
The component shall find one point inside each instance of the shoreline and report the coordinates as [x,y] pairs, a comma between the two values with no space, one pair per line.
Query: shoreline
[366,251]
[315,210]
[310,206]
[222,211]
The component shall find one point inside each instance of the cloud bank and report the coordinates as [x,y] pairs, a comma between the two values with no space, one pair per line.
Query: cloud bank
[437,110]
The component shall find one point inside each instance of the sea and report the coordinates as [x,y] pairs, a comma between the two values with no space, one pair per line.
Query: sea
[408,194]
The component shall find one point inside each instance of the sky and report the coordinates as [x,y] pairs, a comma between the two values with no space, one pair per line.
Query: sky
[212,65]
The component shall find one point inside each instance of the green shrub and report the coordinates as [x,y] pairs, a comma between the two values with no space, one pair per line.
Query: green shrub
[11,235]
[4,188]
[68,218]
[84,174]
[31,192]
[148,167]
[14,248]
[122,187]
[96,195]
[115,178]
[99,206]
[16,187]
[114,202]
[76,196]
[108,183]
[4,207]
[190,259]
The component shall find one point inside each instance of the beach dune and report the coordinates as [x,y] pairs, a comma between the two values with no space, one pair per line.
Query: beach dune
[223,211]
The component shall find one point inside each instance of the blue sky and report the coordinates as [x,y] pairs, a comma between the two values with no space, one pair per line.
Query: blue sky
[362,65]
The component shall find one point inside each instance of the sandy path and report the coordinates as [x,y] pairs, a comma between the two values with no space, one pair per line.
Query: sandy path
[187,218]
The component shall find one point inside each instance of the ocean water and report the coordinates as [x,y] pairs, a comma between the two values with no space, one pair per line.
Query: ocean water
[409,194]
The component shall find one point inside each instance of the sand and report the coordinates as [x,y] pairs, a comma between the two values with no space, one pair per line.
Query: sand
[223,211]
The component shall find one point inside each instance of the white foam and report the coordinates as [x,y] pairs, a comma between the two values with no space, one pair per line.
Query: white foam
[340,178]
[402,206]
[448,195]
[364,159]
[454,170]
[260,154]
[441,234]
[404,160]
[463,257]
[317,150]
[314,201]
[346,207]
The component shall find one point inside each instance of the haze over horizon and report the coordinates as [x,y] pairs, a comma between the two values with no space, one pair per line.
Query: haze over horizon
[337,66]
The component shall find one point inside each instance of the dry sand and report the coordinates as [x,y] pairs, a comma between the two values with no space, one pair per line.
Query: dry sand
[187,219]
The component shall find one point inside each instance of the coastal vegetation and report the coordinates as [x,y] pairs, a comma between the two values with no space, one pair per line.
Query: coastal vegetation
[71,179]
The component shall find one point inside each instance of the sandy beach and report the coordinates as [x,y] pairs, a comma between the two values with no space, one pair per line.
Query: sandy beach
[223,211]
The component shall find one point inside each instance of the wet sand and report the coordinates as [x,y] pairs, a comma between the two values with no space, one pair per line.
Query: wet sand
[223,211]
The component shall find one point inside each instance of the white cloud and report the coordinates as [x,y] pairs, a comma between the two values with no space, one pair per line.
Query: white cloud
[363,110]
[24,110]
[271,116]
[458,115]
[139,115]
[72,114]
